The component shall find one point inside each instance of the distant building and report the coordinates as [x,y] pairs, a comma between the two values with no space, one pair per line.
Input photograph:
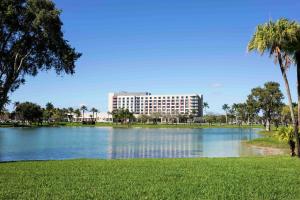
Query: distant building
[146,103]
[88,116]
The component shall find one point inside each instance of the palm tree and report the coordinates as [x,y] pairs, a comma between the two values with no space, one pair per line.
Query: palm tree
[83,108]
[205,106]
[77,113]
[94,110]
[276,37]
[226,108]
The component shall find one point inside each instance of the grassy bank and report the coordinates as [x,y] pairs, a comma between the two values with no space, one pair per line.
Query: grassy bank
[269,140]
[139,125]
[204,178]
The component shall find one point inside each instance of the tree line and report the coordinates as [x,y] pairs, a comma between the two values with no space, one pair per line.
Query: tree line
[28,113]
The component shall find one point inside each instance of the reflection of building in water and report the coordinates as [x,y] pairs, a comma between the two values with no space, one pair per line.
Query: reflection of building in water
[154,145]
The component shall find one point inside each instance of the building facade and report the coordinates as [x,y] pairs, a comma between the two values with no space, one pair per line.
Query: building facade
[146,103]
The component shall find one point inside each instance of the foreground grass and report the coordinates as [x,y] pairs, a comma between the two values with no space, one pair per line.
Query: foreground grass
[204,178]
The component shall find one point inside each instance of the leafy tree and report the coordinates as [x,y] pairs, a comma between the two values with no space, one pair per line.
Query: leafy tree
[48,112]
[240,110]
[280,39]
[122,115]
[49,106]
[31,40]
[286,114]
[252,108]
[143,118]
[269,100]
[183,118]
[221,119]
[29,112]
[155,117]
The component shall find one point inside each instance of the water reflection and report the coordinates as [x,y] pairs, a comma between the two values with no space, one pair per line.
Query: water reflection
[176,143]
[153,144]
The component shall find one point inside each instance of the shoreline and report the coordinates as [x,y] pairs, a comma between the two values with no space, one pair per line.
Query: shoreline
[134,125]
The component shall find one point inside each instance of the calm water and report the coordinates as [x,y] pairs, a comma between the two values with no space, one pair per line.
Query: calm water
[112,143]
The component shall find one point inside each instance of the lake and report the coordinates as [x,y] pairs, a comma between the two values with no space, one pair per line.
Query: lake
[116,143]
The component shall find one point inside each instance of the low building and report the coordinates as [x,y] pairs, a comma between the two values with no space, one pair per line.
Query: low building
[88,116]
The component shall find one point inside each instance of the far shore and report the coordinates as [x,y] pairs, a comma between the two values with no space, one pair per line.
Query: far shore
[131,125]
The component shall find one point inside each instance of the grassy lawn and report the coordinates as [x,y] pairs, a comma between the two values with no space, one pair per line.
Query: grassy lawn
[204,178]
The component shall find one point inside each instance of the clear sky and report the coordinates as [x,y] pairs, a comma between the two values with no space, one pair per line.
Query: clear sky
[169,46]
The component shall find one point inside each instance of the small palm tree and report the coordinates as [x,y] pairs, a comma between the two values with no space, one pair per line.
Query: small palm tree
[83,108]
[276,38]
[226,108]
[205,106]
[286,134]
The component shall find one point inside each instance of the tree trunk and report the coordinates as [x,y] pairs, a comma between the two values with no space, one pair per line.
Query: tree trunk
[290,102]
[268,125]
[297,55]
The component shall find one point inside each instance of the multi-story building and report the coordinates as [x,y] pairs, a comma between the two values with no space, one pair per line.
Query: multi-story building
[146,103]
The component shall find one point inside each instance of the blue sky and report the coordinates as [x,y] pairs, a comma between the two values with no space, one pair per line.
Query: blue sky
[168,46]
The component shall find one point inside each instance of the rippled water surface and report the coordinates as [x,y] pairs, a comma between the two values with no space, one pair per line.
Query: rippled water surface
[113,143]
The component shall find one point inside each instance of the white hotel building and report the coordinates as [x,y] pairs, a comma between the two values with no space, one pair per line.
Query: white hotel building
[146,103]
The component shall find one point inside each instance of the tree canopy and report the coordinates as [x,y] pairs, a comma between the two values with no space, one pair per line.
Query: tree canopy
[30,112]
[31,40]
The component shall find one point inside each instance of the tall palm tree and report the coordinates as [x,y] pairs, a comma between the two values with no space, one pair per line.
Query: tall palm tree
[83,108]
[275,38]
[226,108]
[94,110]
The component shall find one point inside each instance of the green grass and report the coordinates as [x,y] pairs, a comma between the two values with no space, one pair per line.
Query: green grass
[204,178]
[268,141]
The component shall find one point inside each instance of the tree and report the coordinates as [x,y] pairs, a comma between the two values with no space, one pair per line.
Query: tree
[77,112]
[83,108]
[205,106]
[31,40]
[29,112]
[252,109]
[155,117]
[49,106]
[143,118]
[276,38]
[286,134]
[122,115]
[269,101]
[226,108]
[94,110]
[210,119]
[240,110]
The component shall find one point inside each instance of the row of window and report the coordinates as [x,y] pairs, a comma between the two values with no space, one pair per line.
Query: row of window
[168,97]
